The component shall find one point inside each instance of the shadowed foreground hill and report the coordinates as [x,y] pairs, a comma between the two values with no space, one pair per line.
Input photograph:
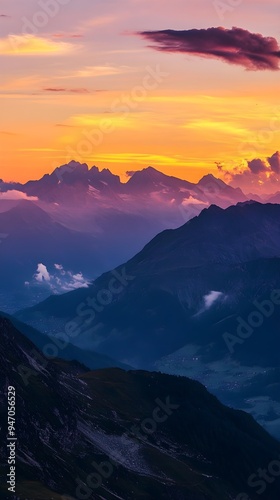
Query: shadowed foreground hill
[67,351]
[161,436]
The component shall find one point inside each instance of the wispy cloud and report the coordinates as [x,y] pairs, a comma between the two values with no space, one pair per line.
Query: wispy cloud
[73,91]
[31,45]
[253,51]
[223,127]
[39,150]
[211,298]
[67,35]
[143,159]
[65,125]
[90,71]
[100,21]
[4,132]
[16,195]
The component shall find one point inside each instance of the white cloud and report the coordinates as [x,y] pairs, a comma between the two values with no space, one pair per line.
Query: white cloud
[60,280]
[58,266]
[78,277]
[193,201]
[42,274]
[16,195]
[211,298]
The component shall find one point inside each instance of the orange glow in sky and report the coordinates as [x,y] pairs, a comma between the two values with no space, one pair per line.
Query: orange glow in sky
[84,86]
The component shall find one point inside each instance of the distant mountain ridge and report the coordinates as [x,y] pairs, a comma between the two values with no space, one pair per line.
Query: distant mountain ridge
[57,185]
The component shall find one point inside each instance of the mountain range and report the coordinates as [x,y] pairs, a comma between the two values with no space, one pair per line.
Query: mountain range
[84,222]
[184,299]
[125,434]
[162,286]
[76,182]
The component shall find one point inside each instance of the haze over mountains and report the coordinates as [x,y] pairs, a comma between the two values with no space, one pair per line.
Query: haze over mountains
[81,222]
[184,292]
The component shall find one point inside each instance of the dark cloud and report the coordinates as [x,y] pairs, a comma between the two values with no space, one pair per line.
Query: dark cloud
[257,166]
[4,15]
[253,51]
[53,89]
[80,91]
[257,175]
[58,89]
[66,126]
[274,162]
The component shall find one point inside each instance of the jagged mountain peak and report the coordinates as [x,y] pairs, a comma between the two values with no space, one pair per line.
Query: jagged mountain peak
[73,165]
[211,178]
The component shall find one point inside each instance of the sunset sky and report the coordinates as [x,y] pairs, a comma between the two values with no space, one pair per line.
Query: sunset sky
[95,81]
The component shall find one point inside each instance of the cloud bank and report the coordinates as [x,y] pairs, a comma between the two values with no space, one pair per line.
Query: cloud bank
[59,280]
[259,174]
[16,195]
[237,46]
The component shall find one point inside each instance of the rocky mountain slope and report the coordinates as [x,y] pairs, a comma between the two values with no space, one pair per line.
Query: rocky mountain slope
[127,435]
